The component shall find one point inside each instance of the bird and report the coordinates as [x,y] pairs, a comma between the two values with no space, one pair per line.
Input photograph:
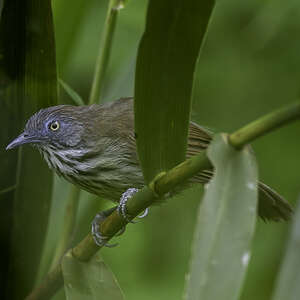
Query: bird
[94,147]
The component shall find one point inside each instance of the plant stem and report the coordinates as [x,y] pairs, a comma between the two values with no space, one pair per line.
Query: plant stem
[263,125]
[105,49]
[162,184]
[68,226]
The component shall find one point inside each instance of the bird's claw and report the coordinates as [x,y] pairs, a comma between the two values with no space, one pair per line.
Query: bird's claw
[122,211]
[144,214]
[121,231]
[99,239]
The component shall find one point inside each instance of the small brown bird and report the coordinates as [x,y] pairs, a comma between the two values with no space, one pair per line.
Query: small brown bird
[94,148]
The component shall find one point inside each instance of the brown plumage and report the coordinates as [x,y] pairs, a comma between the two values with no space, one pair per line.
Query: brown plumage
[94,147]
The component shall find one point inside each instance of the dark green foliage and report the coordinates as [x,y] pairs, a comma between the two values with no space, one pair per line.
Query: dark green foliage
[27,83]
[163,82]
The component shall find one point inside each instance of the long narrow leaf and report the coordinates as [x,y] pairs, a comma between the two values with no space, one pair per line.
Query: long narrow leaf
[1,6]
[27,83]
[163,82]
[72,93]
[225,226]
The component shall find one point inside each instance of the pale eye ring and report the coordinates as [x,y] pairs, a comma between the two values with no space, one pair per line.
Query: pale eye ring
[54,126]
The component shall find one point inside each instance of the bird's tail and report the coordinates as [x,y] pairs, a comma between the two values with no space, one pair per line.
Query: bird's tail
[272,206]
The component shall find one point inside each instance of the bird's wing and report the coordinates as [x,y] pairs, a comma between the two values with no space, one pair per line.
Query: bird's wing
[131,141]
[198,139]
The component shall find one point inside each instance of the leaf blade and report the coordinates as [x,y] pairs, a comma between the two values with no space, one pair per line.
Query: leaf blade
[71,92]
[163,81]
[219,248]
[287,286]
[28,83]
[89,280]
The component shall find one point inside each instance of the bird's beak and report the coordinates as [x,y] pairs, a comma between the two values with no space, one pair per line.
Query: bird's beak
[22,139]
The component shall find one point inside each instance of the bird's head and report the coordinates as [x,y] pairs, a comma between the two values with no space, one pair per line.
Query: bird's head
[57,127]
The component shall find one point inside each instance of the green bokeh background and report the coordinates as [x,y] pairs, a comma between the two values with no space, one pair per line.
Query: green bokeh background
[250,65]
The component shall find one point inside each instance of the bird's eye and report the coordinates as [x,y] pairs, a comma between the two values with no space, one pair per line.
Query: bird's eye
[54,126]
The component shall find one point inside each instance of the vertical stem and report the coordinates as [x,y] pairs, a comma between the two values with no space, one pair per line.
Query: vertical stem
[68,225]
[104,50]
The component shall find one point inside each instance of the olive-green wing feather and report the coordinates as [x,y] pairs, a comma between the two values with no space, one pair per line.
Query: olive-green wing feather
[198,139]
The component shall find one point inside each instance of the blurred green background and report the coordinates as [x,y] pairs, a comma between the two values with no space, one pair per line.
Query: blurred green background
[250,65]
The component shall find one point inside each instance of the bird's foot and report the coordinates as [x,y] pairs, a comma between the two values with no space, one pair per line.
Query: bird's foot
[99,239]
[122,205]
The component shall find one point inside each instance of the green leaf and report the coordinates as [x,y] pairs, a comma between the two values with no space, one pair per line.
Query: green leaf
[225,226]
[27,83]
[163,82]
[1,7]
[287,286]
[89,280]
[72,93]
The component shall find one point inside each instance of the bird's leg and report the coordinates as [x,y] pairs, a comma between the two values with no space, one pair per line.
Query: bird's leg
[99,239]
[122,205]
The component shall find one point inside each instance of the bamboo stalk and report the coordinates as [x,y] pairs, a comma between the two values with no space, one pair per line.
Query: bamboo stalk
[114,7]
